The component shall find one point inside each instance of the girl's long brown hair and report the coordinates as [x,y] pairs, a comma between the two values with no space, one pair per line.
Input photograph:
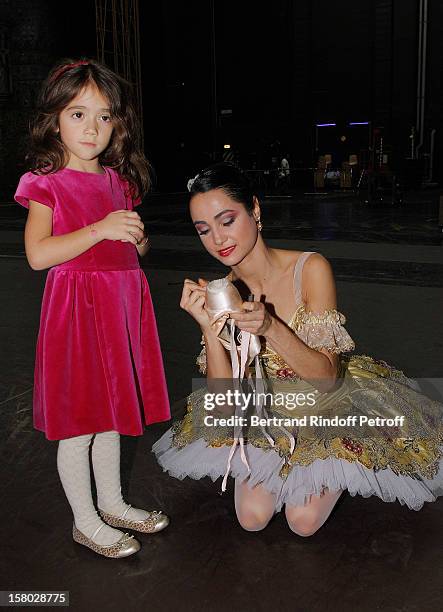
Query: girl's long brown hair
[47,152]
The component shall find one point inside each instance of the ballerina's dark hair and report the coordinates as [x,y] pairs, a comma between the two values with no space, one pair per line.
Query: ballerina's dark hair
[47,152]
[230,179]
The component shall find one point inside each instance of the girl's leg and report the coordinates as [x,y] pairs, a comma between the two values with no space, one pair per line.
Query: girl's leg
[73,468]
[306,520]
[106,464]
[254,507]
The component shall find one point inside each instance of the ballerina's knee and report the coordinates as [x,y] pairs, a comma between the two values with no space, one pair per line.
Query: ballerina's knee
[252,521]
[302,522]
[306,520]
[304,528]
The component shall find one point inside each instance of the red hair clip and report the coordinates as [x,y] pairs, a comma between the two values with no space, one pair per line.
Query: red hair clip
[66,67]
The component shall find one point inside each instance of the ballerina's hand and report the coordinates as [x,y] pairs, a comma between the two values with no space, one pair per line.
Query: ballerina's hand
[256,320]
[193,301]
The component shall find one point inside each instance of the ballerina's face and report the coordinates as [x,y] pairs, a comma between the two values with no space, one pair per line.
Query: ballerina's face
[226,229]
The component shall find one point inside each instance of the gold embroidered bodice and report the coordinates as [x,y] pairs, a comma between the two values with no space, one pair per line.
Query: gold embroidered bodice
[317,331]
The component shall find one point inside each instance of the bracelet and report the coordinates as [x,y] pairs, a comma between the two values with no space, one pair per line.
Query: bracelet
[145,242]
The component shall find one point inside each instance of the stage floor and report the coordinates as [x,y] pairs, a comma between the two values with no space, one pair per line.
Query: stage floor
[369,555]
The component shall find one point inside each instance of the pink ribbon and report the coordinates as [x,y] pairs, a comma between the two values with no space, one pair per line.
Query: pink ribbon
[222,298]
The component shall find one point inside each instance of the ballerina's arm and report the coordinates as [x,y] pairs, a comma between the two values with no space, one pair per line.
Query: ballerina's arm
[318,366]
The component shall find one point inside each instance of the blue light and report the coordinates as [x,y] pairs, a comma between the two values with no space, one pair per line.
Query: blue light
[325,124]
[359,123]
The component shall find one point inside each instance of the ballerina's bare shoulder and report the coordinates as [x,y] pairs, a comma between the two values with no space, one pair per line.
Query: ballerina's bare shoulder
[284,293]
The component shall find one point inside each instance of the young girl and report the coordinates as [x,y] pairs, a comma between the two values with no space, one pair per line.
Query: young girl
[301,468]
[99,370]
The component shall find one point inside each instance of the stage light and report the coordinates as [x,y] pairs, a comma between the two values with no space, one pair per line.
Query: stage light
[359,123]
[325,124]
[227,146]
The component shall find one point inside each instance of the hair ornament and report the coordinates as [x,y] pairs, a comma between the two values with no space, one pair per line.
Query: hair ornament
[191,182]
[66,67]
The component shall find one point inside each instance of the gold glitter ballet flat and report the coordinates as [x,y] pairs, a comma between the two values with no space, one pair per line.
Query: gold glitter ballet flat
[126,546]
[156,521]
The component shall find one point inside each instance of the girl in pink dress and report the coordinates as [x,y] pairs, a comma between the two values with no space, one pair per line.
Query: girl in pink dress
[99,370]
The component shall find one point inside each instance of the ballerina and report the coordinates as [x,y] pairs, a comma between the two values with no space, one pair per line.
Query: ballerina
[304,350]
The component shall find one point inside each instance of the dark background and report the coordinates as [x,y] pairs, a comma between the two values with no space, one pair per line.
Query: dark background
[281,67]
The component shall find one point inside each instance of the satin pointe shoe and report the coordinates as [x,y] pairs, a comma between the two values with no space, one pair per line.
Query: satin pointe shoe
[155,522]
[126,546]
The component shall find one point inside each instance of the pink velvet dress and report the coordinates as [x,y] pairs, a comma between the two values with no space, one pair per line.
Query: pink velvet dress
[98,360]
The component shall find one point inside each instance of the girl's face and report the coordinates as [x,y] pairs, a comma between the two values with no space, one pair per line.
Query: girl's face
[226,229]
[85,127]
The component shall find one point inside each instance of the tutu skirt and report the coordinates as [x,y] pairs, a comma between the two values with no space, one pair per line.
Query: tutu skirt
[393,464]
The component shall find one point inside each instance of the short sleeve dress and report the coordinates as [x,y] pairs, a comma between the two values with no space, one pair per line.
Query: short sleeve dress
[295,461]
[98,360]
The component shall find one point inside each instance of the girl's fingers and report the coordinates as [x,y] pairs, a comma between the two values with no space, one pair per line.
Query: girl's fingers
[127,213]
[136,229]
[137,235]
[138,224]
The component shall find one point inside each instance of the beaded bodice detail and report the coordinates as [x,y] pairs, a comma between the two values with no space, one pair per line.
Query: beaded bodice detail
[318,331]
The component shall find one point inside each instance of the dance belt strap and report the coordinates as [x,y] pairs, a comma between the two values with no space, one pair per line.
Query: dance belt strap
[223,298]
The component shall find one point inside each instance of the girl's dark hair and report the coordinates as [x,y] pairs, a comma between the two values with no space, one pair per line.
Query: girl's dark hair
[228,177]
[47,152]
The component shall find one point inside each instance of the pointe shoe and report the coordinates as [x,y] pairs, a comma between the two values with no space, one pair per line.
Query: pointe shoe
[155,522]
[126,546]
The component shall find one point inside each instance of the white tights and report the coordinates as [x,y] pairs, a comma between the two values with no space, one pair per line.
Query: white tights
[255,507]
[74,472]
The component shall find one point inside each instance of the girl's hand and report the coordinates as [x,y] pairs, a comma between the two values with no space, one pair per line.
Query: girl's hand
[256,321]
[125,225]
[193,301]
